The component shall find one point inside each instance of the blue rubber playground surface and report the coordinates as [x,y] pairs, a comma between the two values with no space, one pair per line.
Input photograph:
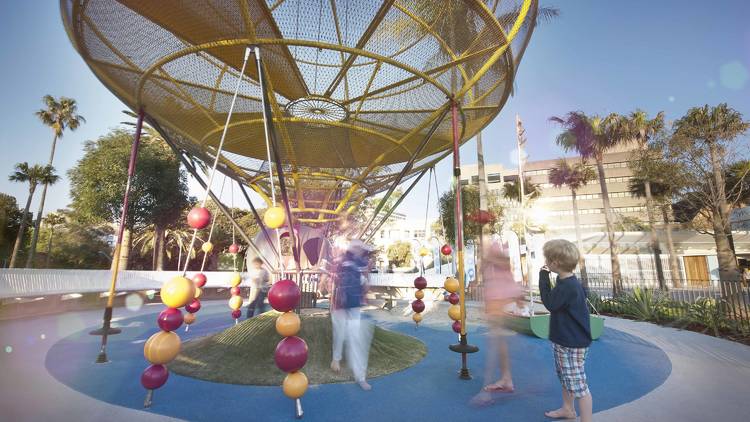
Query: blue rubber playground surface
[621,368]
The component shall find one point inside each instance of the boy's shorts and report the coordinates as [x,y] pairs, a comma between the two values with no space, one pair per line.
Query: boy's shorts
[569,362]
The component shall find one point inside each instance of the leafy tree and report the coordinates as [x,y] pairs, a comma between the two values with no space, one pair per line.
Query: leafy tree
[592,137]
[33,175]
[79,244]
[10,222]
[470,208]
[158,191]
[52,220]
[702,145]
[399,253]
[574,178]
[58,115]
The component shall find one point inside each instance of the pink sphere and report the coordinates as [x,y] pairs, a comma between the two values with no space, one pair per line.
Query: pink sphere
[420,282]
[199,280]
[199,218]
[236,314]
[235,291]
[453,298]
[194,306]
[154,377]
[456,326]
[234,248]
[169,319]
[291,354]
[417,306]
[284,295]
[446,249]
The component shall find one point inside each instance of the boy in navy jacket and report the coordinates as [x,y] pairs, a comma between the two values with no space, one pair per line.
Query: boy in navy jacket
[569,328]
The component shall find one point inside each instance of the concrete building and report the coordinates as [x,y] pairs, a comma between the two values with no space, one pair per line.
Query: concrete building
[556,205]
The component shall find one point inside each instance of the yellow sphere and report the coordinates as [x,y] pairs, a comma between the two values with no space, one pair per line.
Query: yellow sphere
[423,251]
[287,324]
[274,217]
[198,292]
[451,285]
[235,280]
[295,384]
[419,294]
[207,247]
[235,302]
[177,292]
[417,318]
[454,312]
[188,318]
[162,347]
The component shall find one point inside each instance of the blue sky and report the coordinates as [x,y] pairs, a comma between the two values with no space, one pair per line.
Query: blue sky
[598,57]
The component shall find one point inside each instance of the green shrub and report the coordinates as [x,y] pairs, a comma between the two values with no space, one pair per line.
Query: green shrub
[707,312]
[643,304]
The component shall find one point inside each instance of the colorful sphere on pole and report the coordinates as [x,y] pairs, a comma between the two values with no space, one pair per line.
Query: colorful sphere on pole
[454,312]
[419,294]
[417,318]
[288,324]
[456,326]
[417,306]
[274,217]
[198,292]
[177,292]
[234,248]
[290,354]
[235,291]
[199,218]
[451,285]
[154,377]
[189,318]
[236,314]
[295,385]
[446,249]
[423,251]
[162,347]
[235,280]
[169,319]
[235,302]
[284,295]
[207,247]
[420,282]
[199,280]
[453,298]
[194,306]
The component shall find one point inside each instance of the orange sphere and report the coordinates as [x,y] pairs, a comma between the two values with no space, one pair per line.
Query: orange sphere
[235,302]
[295,384]
[162,347]
[188,318]
[235,280]
[417,318]
[451,285]
[177,292]
[288,324]
[419,294]
[274,217]
[454,312]
[198,292]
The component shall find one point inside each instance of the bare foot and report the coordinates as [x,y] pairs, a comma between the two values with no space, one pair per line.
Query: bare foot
[335,366]
[483,398]
[499,387]
[561,413]
[364,385]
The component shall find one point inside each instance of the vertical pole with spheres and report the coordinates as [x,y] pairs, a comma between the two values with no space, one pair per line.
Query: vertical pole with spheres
[462,347]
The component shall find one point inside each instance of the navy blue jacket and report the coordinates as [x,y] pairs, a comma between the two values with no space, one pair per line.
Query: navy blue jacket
[569,324]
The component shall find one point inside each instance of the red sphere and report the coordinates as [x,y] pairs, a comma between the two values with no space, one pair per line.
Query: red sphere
[291,354]
[154,377]
[420,282]
[446,249]
[199,218]
[453,298]
[284,295]
[417,306]
[199,280]
[235,291]
[194,306]
[236,314]
[456,326]
[234,248]
[169,319]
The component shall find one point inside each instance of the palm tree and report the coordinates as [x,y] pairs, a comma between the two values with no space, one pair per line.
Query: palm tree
[574,177]
[512,190]
[34,176]
[58,115]
[592,137]
[713,128]
[643,129]
[52,220]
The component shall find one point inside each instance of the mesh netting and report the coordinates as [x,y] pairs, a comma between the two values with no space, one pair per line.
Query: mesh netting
[355,84]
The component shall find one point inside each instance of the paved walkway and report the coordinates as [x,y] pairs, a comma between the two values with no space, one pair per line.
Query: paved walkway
[638,371]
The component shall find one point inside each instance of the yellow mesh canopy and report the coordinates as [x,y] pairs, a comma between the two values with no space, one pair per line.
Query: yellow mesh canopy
[355,85]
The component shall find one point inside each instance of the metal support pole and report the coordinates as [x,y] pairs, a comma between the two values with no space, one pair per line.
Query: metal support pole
[106,329]
[398,202]
[463,346]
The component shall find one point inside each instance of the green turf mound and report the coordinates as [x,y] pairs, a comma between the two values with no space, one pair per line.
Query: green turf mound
[243,354]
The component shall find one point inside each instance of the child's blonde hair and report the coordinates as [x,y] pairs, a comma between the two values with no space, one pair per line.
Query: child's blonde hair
[563,252]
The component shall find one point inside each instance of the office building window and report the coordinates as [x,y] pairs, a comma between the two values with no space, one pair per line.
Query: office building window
[418,234]
[474,180]
[382,234]
[494,178]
